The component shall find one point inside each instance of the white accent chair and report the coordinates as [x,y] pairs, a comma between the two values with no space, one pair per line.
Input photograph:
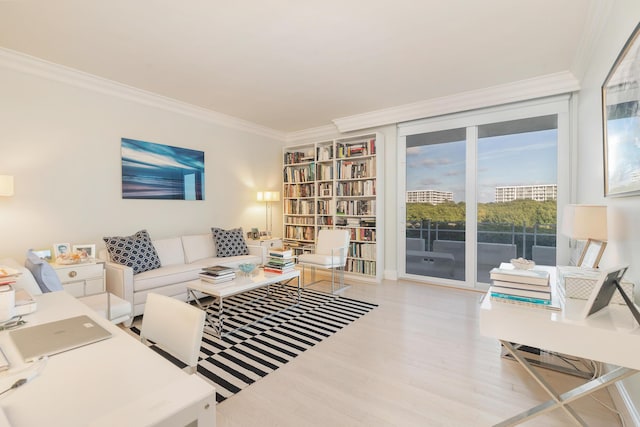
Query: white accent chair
[174,326]
[330,253]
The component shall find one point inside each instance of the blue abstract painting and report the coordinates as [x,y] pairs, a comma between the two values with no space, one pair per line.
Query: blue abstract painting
[157,171]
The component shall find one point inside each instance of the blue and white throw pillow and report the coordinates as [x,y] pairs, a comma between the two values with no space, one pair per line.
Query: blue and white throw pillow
[44,274]
[229,242]
[134,251]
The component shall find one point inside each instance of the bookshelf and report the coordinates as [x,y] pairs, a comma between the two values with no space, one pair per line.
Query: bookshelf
[335,184]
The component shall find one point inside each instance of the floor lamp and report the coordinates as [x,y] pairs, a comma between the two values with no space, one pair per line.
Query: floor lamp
[6,185]
[268,197]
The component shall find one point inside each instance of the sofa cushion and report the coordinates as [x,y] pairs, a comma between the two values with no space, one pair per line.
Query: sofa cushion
[229,242]
[232,261]
[45,275]
[169,251]
[198,246]
[134,251]
[165,276]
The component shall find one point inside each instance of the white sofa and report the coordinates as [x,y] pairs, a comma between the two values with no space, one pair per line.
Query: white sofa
[181,259]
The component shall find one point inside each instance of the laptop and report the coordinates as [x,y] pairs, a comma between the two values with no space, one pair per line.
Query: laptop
[51,338]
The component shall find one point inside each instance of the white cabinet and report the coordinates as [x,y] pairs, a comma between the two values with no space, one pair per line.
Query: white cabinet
[336,184]
[81,279]
[266,245]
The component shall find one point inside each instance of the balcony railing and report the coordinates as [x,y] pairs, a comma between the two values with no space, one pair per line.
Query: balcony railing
[522,236]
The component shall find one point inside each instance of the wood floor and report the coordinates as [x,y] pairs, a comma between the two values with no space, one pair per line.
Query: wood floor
[416,360]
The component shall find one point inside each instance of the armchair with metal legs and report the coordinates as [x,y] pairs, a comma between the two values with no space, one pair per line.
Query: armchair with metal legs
[330,253]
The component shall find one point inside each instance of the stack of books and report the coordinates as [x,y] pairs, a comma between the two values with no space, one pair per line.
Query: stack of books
[217,274]
[528,287]
[280,261]
[8,276]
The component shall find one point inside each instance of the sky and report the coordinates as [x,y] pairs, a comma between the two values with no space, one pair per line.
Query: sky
[520,159]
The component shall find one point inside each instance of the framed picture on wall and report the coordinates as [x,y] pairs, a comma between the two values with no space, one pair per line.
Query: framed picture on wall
[621,121]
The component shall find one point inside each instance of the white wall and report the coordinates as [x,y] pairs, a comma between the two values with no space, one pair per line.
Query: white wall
[624,227]
[62,144]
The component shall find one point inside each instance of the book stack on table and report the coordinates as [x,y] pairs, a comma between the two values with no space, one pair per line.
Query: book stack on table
[280,261]
[526,287]
[217,274]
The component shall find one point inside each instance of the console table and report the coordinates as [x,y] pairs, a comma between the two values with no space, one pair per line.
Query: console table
[118,381]
[610,336]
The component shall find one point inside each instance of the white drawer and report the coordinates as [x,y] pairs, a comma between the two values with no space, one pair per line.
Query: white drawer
[79,272]
[75,288]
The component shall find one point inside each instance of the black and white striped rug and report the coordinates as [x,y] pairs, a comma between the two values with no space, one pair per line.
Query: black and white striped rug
[243,357]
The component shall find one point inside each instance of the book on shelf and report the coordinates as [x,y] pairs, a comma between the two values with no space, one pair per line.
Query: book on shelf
[217,279]
[217,270]
[542,295]
[531,277]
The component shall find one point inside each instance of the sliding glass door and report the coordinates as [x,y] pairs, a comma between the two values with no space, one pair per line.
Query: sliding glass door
[435,200]
[516,192]
[480,189]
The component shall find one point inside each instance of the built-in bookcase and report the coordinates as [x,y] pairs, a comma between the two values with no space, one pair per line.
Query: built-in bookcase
[335,184]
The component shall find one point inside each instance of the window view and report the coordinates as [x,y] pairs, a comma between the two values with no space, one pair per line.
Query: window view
[515,197]
[516,192]
[435,201]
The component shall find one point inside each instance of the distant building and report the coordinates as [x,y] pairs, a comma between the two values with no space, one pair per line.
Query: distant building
[434,197]
[539,193]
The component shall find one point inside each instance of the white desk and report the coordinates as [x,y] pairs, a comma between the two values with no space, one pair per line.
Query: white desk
[118,381]
[610,336]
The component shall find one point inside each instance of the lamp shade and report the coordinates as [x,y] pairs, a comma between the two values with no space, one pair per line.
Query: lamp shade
[582,222]
[6,185]
[268,196]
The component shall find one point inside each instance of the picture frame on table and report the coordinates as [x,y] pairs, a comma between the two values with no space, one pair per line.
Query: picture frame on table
[61,249]
[621,121]
[591,254]
[88,249]
[44,254]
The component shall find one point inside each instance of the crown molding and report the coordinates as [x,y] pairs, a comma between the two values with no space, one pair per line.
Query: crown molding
[28,64]
[597,17]
[317,133]
[537,87]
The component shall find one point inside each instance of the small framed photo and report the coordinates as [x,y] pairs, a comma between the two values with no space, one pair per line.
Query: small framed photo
[44,254]
[326,192]
[61,249]
[88,250]
[592,253]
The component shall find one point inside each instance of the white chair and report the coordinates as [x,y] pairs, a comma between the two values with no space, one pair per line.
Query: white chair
[110,307]
[330,253]
[174,326]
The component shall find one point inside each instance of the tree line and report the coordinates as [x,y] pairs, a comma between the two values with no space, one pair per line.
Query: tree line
[518,212]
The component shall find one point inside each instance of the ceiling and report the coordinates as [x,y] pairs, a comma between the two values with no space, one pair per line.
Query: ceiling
[291,65]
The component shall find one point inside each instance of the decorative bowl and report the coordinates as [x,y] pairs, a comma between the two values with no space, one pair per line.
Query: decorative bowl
[522,264]
[247,268]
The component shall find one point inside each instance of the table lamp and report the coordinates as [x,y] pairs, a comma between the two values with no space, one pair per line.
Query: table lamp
[586,222]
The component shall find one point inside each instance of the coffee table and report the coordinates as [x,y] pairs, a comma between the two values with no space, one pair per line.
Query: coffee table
[239,285]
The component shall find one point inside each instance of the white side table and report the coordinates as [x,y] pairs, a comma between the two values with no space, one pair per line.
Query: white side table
[81,279]
[266,244]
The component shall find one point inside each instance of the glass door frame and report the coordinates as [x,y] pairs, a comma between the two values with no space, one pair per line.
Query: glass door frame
[559,105]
